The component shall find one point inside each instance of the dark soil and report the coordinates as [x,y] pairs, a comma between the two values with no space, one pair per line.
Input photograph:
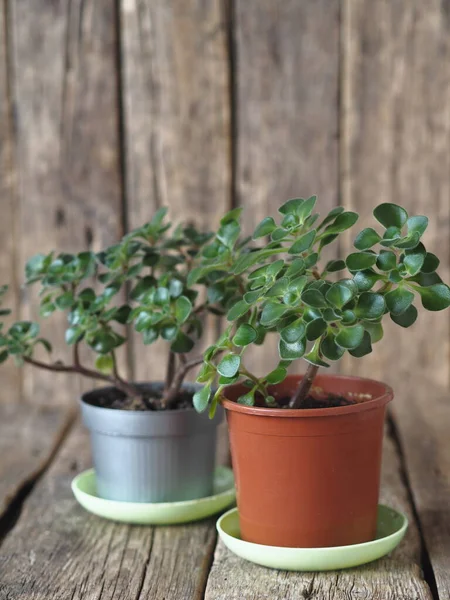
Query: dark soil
[324,401]
[112,398]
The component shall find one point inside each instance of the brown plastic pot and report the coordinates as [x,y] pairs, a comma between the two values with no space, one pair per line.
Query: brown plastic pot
[309,478]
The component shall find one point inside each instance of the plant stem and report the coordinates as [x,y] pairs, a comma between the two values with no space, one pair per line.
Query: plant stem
[127,388]
[305,385]
[170,395]
[170,371]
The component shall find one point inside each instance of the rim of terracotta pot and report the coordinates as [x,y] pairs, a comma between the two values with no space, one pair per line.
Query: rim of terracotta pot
[386,395]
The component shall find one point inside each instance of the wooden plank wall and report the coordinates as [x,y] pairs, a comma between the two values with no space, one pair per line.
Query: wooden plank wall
[111,109]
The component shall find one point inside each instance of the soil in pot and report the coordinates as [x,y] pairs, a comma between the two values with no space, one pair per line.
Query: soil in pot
[150,400]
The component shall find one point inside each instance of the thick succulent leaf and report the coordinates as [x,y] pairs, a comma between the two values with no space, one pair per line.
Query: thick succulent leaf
[200,399]
[315,329]
[338,295]
[277,375]
[266,227]
[314,298]
[370,306]
[331,216]
[297,267]
[314,357]
[228,233]
[306,208]
[279,288]
[303,243]
[247,399]
[435,297]
[387,260]
[293,332]
[334,265]
[229,365]
[350,337]
[399,300]
[183,308]
[375,330]
[238,310]
[390,215]
[430,263]
[330,349]
[291,206]
[364,348]
[366,239]
[182,343]
[245,335]
[417,224]
[366,279]
[104,363]
[271,313]
[413,262]
[358,261]
[343,221]
[407,318]
[291,351]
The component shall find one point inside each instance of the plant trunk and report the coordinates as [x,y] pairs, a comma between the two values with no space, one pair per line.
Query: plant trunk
[305,385]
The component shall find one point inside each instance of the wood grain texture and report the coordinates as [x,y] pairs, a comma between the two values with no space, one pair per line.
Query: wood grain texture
[177,120]
[396,148]
[423,419]
[29,436]
[286,71]
[65,100]
[11,377]
[397,577]
[94,558]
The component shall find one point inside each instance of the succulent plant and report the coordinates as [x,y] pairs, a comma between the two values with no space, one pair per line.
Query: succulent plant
[156,265]
[318,313]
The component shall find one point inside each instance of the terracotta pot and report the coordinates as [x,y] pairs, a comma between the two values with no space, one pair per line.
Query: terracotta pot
[309,478]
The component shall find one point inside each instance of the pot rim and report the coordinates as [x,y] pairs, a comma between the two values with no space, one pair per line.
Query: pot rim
[385,396]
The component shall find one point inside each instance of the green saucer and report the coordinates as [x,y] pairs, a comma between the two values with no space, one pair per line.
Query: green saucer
[392,526]
[160,513]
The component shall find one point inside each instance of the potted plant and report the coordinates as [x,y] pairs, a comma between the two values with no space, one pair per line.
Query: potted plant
[148,443]
[307,450]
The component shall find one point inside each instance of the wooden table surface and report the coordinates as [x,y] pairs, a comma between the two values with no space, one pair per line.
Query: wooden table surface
[52,549]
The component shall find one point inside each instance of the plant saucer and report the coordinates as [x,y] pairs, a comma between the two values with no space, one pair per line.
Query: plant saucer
[391,528]
[155,513]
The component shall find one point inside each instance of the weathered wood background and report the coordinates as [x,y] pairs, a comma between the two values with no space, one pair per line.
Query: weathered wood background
[110,109]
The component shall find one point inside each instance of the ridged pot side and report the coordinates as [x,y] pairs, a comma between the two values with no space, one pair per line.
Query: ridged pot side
[151,456]
[309,478]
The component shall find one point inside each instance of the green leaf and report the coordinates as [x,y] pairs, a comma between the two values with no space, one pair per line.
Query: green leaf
[303,243]
[330,349]
[366,239]
[315,329]
[306,208]
[334,265]
[370,306]
[279,234]
[375,330]
[45,343]
[64,301]
[175,288]
[350,337]
[314,298]
[297,267]
[391,235]
[245,335]
[314,356]
[229,233]
[311,259]
[229,365]
[435,297]
[399,300]
[238,310]
[182,343]
[228,380]
[271,313]
[413,261]
[291,206]
[183,308]
[291,351]
[150,335]
[390,215]
[232,215]
[162,296]
[297,285]
[293,332]
[169,332]
[365,347]
[358,261]
[3,356]
[366,279]
[331,216]
[104,363]
[279,288]
[277,375]
[348,317]
[386,260]
[407,318]
[200,399]
[338,295]
[343,221]
[417,224]
[431,263]
[247,399]
[206,373]
[266,227]
[73,334]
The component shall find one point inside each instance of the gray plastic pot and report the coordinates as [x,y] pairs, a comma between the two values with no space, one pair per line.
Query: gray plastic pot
[151,456]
